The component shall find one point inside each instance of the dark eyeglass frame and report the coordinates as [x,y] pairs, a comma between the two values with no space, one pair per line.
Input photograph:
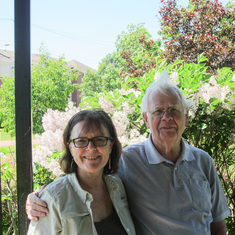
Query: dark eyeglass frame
[88,140]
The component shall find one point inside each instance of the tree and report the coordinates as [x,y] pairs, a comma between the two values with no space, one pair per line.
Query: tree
[202,27]
[138,64]
[51,88]
[135,52]
[106,78]
[91,83]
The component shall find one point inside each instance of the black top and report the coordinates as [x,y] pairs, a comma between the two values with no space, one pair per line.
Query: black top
[111,225]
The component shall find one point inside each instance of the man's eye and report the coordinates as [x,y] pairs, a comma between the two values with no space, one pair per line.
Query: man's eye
[174,110]
[158,111]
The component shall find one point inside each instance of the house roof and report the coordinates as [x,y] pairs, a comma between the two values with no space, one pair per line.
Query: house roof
[80,66]
[6,55]
[9,56]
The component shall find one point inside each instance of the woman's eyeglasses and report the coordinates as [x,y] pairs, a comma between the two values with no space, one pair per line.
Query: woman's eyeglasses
[82,142]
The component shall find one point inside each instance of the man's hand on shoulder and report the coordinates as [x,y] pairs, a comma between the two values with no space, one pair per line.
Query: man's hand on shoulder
[35,207]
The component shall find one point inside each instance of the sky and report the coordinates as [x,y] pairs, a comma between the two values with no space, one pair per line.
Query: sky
[84,30]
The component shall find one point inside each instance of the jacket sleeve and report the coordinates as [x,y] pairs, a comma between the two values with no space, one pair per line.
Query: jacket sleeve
[51,224]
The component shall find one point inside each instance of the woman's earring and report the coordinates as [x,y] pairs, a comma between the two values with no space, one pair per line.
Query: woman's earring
[71,164]
[110,166]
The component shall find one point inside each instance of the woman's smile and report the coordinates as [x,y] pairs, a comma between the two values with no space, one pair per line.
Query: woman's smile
[91,157]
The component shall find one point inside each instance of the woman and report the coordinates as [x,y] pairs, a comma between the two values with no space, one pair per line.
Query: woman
[89,199]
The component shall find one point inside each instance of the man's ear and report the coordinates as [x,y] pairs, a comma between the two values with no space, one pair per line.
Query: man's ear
[145,116]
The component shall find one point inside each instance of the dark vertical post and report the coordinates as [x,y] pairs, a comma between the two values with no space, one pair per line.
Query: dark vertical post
[23,109]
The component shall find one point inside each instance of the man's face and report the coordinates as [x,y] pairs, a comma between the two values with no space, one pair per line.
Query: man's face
[165,118]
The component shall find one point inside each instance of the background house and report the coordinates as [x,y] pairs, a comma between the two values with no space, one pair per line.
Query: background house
[7,60]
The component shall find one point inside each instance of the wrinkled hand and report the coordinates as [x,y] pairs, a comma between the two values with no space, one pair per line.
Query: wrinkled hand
[35,207]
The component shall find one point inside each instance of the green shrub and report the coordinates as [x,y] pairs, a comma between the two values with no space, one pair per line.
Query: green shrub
[41,176]
[9,198]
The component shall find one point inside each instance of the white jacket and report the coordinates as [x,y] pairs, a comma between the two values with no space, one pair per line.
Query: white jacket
[70,211]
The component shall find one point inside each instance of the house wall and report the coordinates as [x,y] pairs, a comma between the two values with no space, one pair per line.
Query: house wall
[6,68]
[77,93]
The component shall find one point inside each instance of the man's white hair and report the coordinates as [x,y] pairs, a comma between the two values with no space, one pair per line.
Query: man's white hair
[163,86]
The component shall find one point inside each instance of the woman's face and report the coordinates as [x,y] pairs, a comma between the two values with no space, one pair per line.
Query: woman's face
[91,159]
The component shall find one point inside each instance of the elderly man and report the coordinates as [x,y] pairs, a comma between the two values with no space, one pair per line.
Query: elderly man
[172,187]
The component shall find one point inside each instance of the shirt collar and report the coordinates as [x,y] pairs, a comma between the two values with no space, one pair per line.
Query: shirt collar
[154,157]
[77,187]
[84,195]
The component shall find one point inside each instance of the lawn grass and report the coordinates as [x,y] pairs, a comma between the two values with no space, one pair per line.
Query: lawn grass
[5,136]
[8,150]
